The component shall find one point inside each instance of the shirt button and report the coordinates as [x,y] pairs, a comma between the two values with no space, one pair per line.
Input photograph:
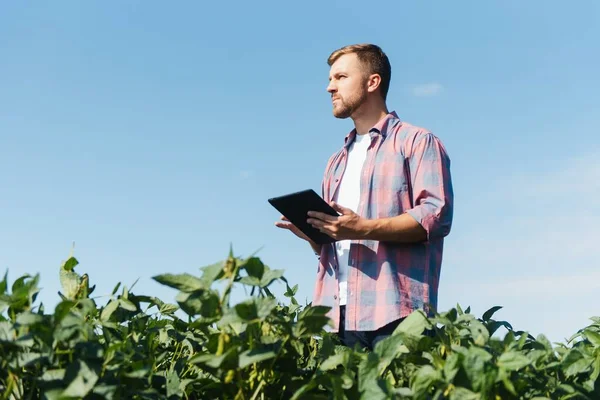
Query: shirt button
[334,297]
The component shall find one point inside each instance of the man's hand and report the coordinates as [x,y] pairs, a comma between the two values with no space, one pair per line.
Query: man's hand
[349,225]
[286,224]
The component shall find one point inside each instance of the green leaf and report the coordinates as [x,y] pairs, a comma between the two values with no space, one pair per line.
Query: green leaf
[173,385]
[334,361]
[116,288]
[205,303]
[593,337]
[167,308]
[476,365]
[451,366]
[489,313]
[255,308]
[81,379]
[269,276]
[127,305]
[390,348]
[254,267]
[4,283]
[311,321]
[575,363]
[513,361]
[255,356]
[28,318]
[53,375]
[479,333]
[414,324]
[290,292]
[108,310]
[69,264]
[423,379]
[213,272]
[184,282]
[460,393]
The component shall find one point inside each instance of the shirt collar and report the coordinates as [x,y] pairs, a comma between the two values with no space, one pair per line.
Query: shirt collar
[380,128]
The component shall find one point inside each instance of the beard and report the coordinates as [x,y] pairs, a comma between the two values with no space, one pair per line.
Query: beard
[346,107]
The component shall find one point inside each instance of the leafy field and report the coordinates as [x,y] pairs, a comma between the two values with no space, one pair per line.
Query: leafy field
[136,347]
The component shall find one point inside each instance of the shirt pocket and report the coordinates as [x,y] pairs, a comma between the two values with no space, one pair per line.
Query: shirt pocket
[391,185]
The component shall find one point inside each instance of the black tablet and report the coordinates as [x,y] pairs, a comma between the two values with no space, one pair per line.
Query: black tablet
[295,207]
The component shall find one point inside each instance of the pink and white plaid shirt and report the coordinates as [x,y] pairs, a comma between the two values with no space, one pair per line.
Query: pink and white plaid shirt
[407,170]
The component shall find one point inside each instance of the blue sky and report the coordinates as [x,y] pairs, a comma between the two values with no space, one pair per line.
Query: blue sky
[152,135]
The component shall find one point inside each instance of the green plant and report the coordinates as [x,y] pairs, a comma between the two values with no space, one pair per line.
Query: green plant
[203,347]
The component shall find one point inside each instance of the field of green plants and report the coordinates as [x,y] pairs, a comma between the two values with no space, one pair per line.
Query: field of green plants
[136,346]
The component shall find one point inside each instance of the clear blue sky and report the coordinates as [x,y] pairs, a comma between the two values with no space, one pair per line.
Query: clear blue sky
[152,134]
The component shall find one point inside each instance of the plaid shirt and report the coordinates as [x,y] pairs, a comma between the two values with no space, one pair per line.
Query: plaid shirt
[407,170]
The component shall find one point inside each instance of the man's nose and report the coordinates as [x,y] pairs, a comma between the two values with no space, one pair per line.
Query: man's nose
[331,88]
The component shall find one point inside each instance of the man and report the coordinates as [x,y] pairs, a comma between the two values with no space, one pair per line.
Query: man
[391,184]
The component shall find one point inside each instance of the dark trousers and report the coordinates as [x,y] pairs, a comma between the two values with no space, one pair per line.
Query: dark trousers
[366,339]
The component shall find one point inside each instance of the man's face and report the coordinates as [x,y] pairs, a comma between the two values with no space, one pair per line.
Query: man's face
[347,85]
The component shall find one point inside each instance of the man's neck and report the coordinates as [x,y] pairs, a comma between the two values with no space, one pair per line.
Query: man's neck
[368,116]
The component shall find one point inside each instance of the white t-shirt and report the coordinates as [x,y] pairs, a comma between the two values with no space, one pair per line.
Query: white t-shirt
[348,196]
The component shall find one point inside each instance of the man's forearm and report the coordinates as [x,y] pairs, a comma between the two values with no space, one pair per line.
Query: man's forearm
[402,228]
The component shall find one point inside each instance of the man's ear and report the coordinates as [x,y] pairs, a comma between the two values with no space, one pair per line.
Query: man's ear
[373,82]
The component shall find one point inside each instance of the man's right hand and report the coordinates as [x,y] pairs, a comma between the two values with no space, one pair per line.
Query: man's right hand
[286,224]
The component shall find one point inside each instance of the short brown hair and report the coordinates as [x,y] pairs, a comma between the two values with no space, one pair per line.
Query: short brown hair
[373,57]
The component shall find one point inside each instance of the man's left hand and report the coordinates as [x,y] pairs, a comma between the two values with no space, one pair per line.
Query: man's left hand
[347,226]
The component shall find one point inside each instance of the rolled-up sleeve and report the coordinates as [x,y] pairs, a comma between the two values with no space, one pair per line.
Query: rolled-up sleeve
[431,186]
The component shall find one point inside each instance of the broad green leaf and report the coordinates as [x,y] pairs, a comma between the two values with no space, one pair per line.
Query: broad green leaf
[167,308]
[596,371]
[460,393]
[476,365]
[184,282]
[255,308]
[368,371]
[254,267]
[108,310]
[593,337]
[70,263]
[255,356]
[543,340]
[333,362]
[205,303]
[423,379]
[311,321]
[390,348]
[489,313]
[213,272]
[269,276]
[414,324]
[575,363]
[173,384]
[127,305]
[479,333]
[27,318]
[451,366]
[53,375]
[513,361]
[250,281]
[82,379]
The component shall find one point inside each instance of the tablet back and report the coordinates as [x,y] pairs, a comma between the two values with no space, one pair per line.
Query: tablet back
[295,206]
